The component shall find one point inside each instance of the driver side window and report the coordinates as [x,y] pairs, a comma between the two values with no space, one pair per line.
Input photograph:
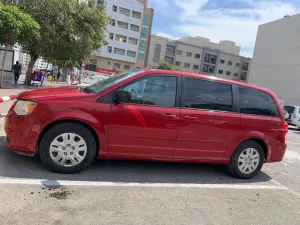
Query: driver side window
[153,90]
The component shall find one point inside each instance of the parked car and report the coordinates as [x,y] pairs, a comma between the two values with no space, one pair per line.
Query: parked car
[150,115]
[292,115]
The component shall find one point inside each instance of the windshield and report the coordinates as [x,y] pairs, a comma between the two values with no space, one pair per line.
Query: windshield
[289,109]
[101,85]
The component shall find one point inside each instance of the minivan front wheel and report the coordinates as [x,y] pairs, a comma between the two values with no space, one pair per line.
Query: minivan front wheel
[67,148]
[247,160]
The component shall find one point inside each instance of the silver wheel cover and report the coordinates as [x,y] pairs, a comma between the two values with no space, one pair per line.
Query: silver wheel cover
[68,150]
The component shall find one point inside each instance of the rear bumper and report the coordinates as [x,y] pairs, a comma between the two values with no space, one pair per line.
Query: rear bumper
[21,133]
[277,153]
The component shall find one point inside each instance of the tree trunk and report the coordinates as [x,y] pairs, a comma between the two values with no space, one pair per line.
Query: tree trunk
[3,62]
[33,59]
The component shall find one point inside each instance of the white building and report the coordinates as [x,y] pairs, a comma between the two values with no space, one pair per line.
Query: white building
[128,36]
[276,59]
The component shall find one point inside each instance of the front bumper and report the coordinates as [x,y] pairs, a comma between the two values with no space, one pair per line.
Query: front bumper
[21,133]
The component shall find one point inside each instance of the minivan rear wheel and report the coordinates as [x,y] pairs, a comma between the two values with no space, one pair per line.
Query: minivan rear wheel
[247,160]
[67,148]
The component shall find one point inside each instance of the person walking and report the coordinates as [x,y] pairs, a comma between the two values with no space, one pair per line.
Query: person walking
[17,71]
[58,75]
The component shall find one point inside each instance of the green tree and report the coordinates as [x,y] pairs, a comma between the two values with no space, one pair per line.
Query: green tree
[16,27]
[163,65]
[70,31]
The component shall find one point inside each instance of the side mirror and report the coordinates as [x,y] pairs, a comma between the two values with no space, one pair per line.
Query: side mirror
[121,96]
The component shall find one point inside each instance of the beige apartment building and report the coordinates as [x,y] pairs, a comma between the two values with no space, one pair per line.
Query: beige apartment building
[276,59]
[199,55]
[128,37]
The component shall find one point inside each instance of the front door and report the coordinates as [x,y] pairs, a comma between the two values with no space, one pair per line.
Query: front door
[147,125]
[207,121]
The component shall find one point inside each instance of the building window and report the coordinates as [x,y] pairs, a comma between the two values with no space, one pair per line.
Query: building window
[141,56]
[111,36]
[177,63]
[236,74]
[157,51]
[146,20]
[123,25]
[207,58]
[196,67]
[170,50]
[245,66]
[220,72]
[117,65]
[121,38]
[100,2]
[132,41]
[108,63]
[109,49]
[243,76]
[211,69]
[189,54]
[125,12]
[213,59]
[144,32]
[113,22]
[127,67]
[222,61]
[134,28]
[131,54]
[119,51]
[93,61]
[205,68]
[115,8]
[186,65]
[179,52]
[228,73]
[137,15]
[197,56]
[237,64]
[229,63]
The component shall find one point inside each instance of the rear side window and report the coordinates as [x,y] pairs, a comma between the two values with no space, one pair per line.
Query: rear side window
[202,94]
[257,102]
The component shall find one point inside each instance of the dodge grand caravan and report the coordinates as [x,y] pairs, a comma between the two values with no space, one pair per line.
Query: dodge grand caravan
[150,115]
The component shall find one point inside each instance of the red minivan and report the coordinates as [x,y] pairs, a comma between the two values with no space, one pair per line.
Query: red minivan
[150,115]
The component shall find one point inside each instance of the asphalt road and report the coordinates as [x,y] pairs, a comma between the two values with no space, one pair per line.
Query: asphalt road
[130,192]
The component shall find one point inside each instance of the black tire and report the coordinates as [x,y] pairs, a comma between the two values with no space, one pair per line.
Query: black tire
[67,127]
[233,163]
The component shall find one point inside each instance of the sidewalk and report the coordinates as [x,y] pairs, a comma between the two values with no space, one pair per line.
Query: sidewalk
[9,83]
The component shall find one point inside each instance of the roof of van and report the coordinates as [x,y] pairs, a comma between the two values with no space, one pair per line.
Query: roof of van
[207,77]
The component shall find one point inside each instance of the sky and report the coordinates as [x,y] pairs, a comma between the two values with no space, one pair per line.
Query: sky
[234,20]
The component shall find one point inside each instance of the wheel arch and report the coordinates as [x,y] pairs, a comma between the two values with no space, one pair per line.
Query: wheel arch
[54,123]
[258,141]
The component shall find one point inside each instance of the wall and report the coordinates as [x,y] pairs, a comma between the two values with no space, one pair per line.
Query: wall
[276,61]
[8,60]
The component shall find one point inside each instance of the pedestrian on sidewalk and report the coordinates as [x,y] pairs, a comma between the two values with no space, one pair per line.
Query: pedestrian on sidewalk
[17,71]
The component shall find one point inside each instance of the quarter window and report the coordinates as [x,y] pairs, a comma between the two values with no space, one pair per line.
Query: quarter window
[256,102]
[154,90]
[202,94]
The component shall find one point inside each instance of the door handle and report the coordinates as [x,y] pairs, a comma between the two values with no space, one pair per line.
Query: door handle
[170,116]
[191,118]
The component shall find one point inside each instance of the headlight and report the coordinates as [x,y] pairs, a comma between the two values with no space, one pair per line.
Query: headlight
[24,108]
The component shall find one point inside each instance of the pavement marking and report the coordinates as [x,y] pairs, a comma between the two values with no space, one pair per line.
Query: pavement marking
[292,143]
[121,184]
[286,188]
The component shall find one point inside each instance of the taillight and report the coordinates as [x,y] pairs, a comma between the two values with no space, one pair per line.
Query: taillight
[285,127]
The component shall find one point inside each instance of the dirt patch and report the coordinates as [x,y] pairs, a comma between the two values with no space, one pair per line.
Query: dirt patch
[60,194]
